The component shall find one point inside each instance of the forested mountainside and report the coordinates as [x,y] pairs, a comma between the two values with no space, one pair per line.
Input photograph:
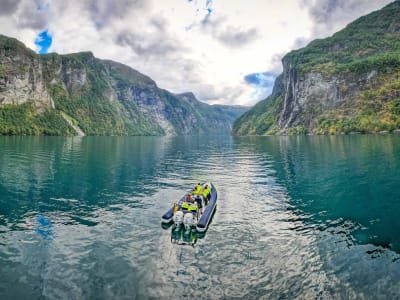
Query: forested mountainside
[349,82]
[77,93]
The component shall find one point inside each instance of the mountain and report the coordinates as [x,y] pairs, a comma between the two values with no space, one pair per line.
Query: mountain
[349,82]
[77,93]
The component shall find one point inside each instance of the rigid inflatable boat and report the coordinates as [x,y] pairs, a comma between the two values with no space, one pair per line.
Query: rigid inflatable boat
[192,218]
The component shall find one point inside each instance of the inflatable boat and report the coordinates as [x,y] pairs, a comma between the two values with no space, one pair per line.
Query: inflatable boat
[187,213]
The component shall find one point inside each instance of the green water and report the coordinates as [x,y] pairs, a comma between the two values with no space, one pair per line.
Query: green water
[297,217]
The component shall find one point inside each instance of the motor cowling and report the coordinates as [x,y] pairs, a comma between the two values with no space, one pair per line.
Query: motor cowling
[178,218]
[188,220]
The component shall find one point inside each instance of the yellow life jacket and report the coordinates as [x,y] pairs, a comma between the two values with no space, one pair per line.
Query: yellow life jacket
[189,206]
[198,190]
[193,207]
[206,192]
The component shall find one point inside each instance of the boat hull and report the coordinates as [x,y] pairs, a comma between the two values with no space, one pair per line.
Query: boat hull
[205,218]
[209,210]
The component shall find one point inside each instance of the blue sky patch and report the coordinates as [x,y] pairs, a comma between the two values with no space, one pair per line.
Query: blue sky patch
[263,84]
[43,41]
[260,79]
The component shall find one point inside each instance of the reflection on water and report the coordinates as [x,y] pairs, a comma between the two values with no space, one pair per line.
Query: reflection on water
[348,181]
[297,217]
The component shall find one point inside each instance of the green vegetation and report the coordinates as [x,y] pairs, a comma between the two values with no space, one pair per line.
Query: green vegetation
[369,43]
[83,101]
[364,60]
[85,98]
[101,97]
[261,119]
[71,119]
[12,46]
[23,120]
[378,109]
[127,76]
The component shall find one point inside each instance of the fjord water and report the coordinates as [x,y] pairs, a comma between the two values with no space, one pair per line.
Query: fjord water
[310,217]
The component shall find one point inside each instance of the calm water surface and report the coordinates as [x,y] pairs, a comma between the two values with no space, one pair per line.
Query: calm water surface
[298,217]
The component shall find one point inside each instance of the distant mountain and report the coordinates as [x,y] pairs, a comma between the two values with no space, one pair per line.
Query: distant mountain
[79,94]
[349,82]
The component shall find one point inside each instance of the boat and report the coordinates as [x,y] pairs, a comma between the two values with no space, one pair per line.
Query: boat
[192,219]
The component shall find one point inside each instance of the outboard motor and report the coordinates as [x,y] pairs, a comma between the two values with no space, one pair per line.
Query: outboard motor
[178,218]
[188,221]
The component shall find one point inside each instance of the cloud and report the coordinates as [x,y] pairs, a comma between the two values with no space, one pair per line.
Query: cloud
[300,42]
[25,13]
[143,46]
[330,16]
[211,94]
[219,50]
[102,12]
[234,37]
[262,83]
[225,33]
[8,7]
[32,15]
[152,42]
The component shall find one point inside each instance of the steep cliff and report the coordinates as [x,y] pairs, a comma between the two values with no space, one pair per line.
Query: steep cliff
[349,82]
[80,94]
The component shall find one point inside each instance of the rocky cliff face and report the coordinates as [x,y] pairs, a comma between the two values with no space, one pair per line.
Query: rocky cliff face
[348,82]
[95,96]
[310,95]
[21,77]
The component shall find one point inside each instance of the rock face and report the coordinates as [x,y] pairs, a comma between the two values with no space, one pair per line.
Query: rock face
[95,97]
[311,94]
[21,77]
[348,82]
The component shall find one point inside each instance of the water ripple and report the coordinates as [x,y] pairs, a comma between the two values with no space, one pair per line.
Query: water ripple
[80,218]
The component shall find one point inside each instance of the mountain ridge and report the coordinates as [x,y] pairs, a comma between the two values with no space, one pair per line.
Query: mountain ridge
[101,97]
[348,82]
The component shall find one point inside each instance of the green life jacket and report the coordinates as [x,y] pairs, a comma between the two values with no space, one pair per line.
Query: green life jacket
[189,206]
[193,207]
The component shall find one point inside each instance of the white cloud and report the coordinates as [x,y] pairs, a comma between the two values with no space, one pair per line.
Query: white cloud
[203,46]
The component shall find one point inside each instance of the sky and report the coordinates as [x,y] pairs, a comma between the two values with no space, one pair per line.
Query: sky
[224,51]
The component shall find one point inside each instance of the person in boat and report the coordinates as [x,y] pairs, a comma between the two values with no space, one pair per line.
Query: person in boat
[188,197]
[206,194]
[188,200]
[197,189]
[189,206]
[199,202]
[198,194]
